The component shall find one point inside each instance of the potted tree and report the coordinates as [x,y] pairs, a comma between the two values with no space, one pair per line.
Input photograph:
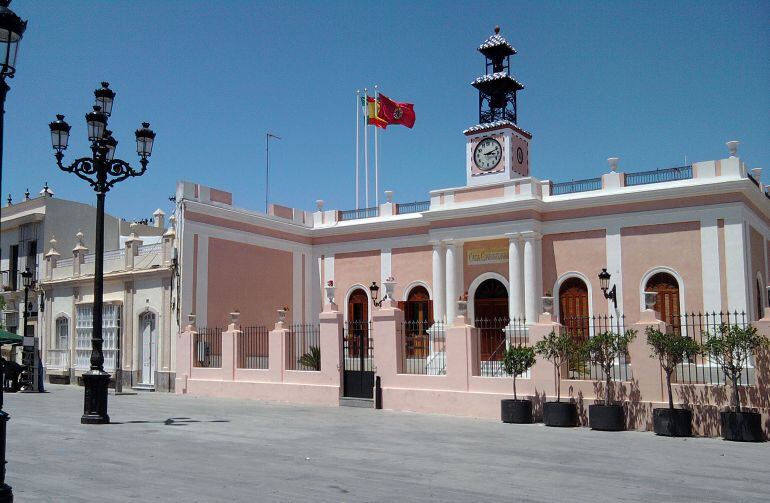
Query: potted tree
[557,348]
[516,361]
[671,349]
[603,349]
[731,347]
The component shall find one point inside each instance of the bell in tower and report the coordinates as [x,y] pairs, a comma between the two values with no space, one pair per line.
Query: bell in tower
[497,89]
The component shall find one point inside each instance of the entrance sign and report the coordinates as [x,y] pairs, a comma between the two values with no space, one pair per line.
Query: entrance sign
[481,256]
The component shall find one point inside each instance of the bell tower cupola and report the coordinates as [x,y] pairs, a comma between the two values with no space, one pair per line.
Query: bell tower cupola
[497,148]
[497,89]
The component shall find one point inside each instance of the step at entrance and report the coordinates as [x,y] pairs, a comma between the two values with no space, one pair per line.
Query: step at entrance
[143,387]
[346,401]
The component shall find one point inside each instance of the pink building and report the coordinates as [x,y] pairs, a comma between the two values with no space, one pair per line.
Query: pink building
[695,235]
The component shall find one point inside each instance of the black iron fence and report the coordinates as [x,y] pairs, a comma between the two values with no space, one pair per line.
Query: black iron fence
[703,368]
[495,336]
[304,352]
[415,207]
[358,346]
[580,328]
[207,347]
[371,212]
[659,175]
[424,347]
[573,186]
[253,348]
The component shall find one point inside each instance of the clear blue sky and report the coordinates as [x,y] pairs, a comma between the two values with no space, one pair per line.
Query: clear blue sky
[649,82]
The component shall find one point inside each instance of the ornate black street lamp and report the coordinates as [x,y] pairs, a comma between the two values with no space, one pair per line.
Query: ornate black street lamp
[102,171]
[27,351]
[11,31]
[604,283]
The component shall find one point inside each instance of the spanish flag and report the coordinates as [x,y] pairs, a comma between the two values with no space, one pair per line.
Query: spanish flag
[373,113]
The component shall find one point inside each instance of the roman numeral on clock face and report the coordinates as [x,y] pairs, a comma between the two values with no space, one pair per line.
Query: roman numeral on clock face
[487,154]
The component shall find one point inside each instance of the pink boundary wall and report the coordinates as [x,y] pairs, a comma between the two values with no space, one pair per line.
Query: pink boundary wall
[461,391]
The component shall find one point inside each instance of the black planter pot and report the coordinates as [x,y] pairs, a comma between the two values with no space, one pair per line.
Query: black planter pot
[561,414]
[516,411]
[742,426]
[606,417]
[672,422]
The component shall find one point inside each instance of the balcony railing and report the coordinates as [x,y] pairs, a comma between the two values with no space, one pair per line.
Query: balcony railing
[659,175]
[415,207]
[372,212]
[560,188]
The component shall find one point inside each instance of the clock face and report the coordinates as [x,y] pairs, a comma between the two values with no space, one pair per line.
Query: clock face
[487,154]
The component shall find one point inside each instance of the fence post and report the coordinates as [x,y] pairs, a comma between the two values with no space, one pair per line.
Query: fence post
[759,396]
[330,338]
[543,372]
[386,323]
[277,351]
[184,341]
[230,347]
[461,345]
[647,375]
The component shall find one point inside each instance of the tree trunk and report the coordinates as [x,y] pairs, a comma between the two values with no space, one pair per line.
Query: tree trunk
[608,377]
[514,387]
[668,386]
[557,374]
[736,395]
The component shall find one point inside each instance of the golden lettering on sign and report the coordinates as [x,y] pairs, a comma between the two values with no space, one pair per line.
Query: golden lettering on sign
[480,256]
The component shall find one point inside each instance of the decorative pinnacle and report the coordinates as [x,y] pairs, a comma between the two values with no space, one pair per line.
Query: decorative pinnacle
[59,117]
[497,30]
[145,124]
[105,85]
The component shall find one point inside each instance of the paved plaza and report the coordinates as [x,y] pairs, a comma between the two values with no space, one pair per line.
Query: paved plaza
[188,449]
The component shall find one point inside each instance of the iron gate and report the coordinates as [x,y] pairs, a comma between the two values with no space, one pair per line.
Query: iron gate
[358,360]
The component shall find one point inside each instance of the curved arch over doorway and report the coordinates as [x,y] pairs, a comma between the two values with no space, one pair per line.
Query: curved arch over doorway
[474,286]
[668,300]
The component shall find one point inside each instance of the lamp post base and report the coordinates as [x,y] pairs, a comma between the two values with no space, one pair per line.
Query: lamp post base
[95,403]
[6,494]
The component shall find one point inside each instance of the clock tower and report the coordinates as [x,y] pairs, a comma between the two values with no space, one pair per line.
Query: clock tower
[497,148]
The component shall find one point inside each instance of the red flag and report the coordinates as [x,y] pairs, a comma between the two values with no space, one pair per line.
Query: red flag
[393,112]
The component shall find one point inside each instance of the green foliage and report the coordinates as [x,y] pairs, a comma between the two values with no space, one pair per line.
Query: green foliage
[603,349]
[516,361]
[557,349]
[731,346]
[311,359]
[671,349]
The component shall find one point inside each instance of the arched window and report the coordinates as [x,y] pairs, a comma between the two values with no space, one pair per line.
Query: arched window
[62,332]
[573,307]
[667,301]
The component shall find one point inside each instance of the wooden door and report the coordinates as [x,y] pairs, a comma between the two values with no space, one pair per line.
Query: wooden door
[490,313]
[667,301]
[358,375]
[573,307]
[418,318]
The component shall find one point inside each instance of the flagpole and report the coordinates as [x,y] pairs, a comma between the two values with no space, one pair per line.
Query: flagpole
[376,152]
[366,147]
[358,155]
